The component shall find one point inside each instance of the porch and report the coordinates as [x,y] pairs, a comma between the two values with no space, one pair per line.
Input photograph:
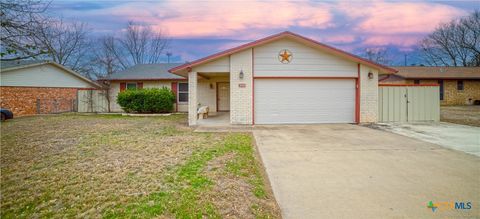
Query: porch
[209,92]
[215,119]
[220,122]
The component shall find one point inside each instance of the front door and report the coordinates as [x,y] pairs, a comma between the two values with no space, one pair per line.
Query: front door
[223,96]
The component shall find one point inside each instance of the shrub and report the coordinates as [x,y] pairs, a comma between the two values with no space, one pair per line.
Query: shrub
[150,100]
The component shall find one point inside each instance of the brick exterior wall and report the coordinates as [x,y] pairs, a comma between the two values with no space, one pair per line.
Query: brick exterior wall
[192,98]
[368,95]
[241,97]
[452,96]
[23,100]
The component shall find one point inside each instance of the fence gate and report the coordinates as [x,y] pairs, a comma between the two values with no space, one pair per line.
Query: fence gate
[92,101]
[408,103]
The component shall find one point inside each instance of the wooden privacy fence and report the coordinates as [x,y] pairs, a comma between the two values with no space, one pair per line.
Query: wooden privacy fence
[408,103]
[92,101]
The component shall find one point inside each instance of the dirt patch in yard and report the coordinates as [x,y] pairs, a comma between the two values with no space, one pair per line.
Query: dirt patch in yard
[232,193]
[90,166]
[465,115]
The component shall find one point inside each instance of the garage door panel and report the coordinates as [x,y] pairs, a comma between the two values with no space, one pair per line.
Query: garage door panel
[279,101]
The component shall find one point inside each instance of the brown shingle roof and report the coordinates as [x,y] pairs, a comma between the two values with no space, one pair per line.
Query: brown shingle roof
[439,72]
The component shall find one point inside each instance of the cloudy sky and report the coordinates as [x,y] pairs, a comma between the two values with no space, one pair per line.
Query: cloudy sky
[199,28]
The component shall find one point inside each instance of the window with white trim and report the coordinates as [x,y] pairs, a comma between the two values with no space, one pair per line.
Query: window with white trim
[131,86]
[182,92]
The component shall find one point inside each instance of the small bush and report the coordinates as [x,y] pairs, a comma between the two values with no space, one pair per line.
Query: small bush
[150,100]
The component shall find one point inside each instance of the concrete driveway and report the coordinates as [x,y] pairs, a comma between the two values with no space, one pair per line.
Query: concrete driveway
[459,137]
[350,171]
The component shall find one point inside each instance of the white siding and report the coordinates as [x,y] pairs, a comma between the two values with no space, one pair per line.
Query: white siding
[283,101]
[42,76]
[157,84]
[306,61]
[219,65]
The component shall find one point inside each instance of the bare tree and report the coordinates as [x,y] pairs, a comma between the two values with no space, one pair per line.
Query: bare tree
[105,63]
[28,33]
[138,45]
[20,20]
[105,57]
[456,43]
[378,55]
[65,43]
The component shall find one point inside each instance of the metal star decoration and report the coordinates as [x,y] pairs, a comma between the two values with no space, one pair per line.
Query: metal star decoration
[285,56]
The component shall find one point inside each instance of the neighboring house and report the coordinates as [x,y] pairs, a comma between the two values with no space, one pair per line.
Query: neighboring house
[30,87]
[148,76]
[458,85]
[284,78]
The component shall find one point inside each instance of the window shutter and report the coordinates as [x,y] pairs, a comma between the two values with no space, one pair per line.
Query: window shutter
[140,85]
[122,86]
[174,88]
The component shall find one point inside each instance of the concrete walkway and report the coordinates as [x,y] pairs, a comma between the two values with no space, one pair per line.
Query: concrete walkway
[458,137]
[349,171]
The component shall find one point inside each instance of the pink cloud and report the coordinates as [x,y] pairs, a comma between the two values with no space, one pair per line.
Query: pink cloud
[339,39]
[380,17]
[388,39]
[230,18]
[348,24]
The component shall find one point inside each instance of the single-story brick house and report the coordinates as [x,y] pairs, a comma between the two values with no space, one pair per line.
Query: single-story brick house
[31,87]
[458,85]
[149,76]
[284,79]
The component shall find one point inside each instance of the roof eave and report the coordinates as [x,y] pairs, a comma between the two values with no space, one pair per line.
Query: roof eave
[24,66]
[144,79]
[446,78]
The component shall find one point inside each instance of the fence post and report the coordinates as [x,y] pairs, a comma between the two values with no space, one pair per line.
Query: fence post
[38,106]
[76,101]
[90,100]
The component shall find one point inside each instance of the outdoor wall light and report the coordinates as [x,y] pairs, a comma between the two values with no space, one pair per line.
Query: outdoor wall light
[370,75]
[241,74]
[211,86]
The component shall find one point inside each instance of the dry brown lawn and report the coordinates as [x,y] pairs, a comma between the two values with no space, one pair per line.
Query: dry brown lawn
[465,115]
[112,166]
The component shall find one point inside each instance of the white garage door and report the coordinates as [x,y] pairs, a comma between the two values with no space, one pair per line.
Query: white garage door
[283,101]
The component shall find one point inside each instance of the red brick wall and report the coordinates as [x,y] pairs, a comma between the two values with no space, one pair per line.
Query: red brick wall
[23,100]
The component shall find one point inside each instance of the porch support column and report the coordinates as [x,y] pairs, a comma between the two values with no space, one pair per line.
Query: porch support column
[192,98]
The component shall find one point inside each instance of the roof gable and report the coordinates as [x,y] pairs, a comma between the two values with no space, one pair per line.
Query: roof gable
[17,65]
[290,35]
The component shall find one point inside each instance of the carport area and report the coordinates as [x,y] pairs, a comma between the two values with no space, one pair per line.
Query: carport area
[350,171]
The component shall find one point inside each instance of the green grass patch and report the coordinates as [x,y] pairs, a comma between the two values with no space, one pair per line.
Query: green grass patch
[117,166]
[186,184]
